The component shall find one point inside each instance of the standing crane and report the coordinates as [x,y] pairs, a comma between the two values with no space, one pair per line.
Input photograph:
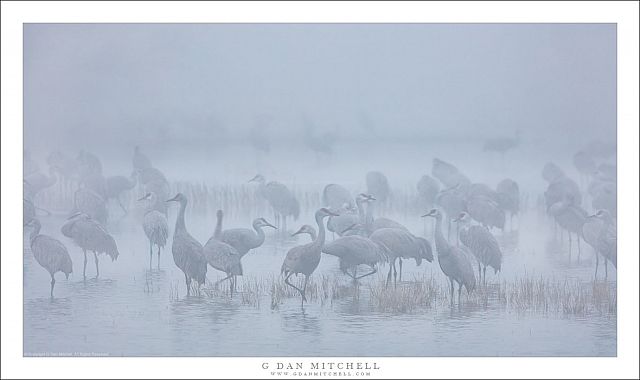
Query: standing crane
[482,244]
[281,199]
[187,251]
[244,239]
[304,259]
[600,232]
[50,253]
[155,226]
[222,256]
[452,259]
[90,235]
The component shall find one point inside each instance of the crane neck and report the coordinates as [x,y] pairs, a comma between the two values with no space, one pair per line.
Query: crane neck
[368,222]
[217,233]
[318,242]
[361,216]
[180,224]
[442,246]
[259,232]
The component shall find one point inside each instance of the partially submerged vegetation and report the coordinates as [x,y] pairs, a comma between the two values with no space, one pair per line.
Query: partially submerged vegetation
[421,294]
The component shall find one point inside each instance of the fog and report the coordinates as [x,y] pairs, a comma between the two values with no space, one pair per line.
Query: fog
[210,106]
[89,85]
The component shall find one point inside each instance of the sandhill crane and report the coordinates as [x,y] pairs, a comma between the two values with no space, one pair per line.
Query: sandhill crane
[222,256]
[600,232]
[50,253]
[480,189]
[89,202]
[88,164]
[306,229]
[448,174]
[281,199]
[378,186]
[452,201]
[508,193]
[585,164]
[482,244]
[346,218]
[354,250]
[140,160]
[350,224]
[453,260]
[90,235]
[118,185]
[486,211]
[335,196]
[148,175]
[570,217]
[244,239]
[304,259]
[428,188]
[560,189]
[552,172]
[604,196]
[155,226]
[502,144]
[187,251]
[399,244]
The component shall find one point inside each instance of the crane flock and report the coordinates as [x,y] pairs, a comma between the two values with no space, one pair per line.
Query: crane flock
[359,238]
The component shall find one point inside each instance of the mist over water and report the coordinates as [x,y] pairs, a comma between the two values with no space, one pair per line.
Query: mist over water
[310,105]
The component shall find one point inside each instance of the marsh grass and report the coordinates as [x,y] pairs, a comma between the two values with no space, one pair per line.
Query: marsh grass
[419,294]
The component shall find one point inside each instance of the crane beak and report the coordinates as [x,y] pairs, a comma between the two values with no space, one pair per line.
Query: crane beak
[270,225]
[174,199]
[74,215]
[254,179]
[297,232]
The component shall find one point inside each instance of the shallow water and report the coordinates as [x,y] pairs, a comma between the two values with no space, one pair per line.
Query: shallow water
[133,311]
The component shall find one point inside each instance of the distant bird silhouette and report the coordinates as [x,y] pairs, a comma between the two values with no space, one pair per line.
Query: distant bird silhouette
[552,172]
[319,142]
[453,260]
[281,199]
[600,232]
[486,211]
[222,256]
[244,239]
[428,188]
[399,244]
[508,193]
[452,201]
[502,144]
[304,259]
[116,186]
[140,160]
[335,196]
[560,189]
[570,217]
[482,244]
[90,235]
[187,251]
[585,164]
[88,164]
[155,226]
[50,253]
[87,201]
[378,186]
[448,174]
[604,196]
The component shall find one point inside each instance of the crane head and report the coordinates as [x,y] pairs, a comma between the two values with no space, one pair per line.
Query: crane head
[258,178]
[434,213]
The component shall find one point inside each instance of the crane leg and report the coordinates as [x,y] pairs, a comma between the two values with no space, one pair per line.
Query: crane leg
[231,286]
[569,247]
[400,262]
[395,273]
[389,275]
[84,268]
[187,281]
[150,253]
[451,280]
[158,257]
[484,275]
[459,291]
[479,271]
[606,269]
[286,281]
[578,236]
[95,256]
[304,289]
[284,225]
[597,263]
[53,282]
